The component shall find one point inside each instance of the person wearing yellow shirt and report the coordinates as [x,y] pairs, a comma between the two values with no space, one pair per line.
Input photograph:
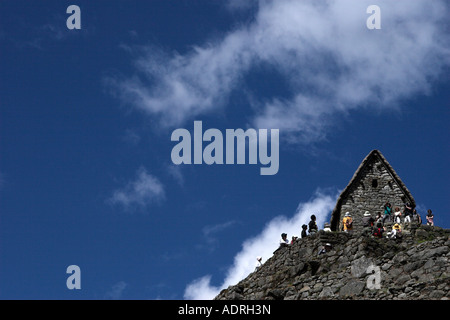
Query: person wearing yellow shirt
[347,222]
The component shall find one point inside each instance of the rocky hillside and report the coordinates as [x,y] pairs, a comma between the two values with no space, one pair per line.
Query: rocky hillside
[357,267]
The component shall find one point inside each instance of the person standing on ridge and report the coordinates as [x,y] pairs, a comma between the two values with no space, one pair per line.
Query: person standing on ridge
[313,225]
[408,212]
[430,218]
[304,228]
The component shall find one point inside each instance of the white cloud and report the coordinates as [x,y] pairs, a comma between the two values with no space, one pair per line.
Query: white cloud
[116,291]
[238,5]
[131,137]
[331,62]
[141,192]
[210,234]
[201,289]
[263,245]
[209,230]
[175,172]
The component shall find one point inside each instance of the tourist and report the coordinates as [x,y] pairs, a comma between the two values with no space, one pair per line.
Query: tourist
[326,227]
[387,212]
[326,248]
[396,232]
[430,218]
[378,218]
[284,242]
[347,222]
[397,215]
[312,225]
[368,222]
[416,217]
[304,228]
[408,212]
[378,230]
[294,238]
[258,264]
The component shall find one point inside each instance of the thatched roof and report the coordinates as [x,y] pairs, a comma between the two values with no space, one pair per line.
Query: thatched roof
[335,215]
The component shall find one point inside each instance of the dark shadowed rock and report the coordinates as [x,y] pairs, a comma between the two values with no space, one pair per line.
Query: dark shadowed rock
[352,288]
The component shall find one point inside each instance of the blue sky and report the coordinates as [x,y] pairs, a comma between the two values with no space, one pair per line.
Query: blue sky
[86,117]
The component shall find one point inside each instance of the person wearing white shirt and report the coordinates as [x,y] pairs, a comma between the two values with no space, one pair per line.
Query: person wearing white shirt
[284,242]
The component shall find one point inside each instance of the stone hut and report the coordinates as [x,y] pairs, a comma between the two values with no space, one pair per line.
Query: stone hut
[373,184]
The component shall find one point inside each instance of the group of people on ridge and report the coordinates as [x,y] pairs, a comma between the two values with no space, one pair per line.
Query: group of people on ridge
[377,226]
[371,226]
[311,228]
